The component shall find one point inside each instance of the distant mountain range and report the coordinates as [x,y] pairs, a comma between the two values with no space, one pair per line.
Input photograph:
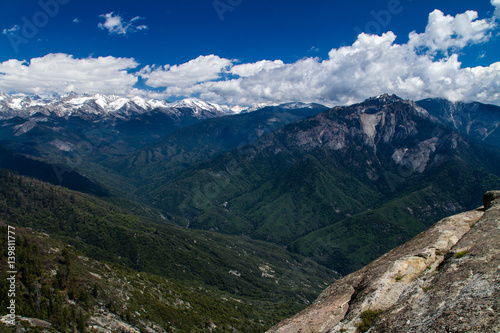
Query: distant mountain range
[113,106]
[477,120]
[78,131]
[480,121]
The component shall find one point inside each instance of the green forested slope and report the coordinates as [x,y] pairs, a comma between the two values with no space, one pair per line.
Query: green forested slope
[265,276]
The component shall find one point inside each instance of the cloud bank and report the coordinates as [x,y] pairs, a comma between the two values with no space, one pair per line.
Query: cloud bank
[426,66]
[62,73]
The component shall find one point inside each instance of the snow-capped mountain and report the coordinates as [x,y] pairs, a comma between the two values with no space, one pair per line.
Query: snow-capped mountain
[98,105]
[111,124]
[25,106]
[199,106]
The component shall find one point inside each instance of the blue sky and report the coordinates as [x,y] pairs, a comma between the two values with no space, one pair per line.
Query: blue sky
[241,52]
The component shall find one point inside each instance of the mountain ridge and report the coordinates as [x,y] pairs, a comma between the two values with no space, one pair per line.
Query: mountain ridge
[202,141]
[478,121]
[99,105]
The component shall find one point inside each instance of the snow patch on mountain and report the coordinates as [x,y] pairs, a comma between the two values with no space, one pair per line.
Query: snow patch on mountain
[259,106]
[79,101]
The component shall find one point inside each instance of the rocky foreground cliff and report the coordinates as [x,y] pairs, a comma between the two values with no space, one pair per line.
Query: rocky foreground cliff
[446,279]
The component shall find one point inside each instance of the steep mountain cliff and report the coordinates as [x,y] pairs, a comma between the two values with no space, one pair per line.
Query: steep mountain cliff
[446,279]
[475,120]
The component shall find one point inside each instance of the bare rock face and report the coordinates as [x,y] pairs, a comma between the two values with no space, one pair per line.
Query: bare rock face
[446,279]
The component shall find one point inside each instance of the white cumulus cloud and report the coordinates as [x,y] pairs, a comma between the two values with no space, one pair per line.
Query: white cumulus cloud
[447,32]
[203,68]
[496,4]
[250,69]
[115,24]
[63,73]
